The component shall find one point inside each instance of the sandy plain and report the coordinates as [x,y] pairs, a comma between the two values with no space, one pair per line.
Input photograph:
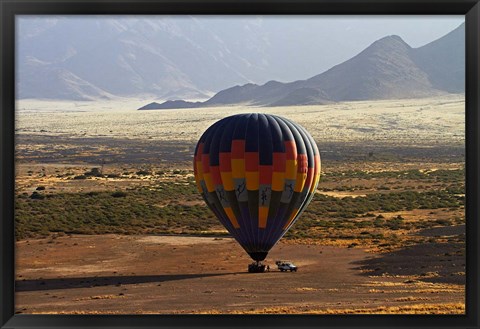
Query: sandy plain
[426,121]
[178,274]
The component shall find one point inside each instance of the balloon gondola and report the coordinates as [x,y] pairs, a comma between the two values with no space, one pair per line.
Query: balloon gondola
[257,173]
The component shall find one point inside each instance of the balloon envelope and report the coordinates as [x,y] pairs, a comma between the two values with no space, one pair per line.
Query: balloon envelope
[257,173]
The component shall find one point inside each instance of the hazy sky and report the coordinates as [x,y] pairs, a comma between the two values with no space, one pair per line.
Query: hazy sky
[255,48]
[416,30]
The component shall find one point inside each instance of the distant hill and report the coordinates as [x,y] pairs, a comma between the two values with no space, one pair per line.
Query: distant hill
[86,59]
[388,68]
[169,105]
[443,60]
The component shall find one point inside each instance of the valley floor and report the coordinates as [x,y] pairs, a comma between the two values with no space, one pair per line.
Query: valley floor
[109,220]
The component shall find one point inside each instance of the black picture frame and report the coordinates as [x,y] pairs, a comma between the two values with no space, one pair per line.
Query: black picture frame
[10,8]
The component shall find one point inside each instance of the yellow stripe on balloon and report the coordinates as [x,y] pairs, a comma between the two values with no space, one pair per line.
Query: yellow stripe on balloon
[232,217]
[252,179]
[262,217]
[315,182]
[300,181]
[227,180]
[209,182]
[278,181]
[291,169]
[238,168]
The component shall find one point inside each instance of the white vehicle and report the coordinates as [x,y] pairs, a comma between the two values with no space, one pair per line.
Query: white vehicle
[286,266]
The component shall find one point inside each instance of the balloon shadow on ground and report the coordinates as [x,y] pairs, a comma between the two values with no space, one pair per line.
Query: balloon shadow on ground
[99,281]
[436,262]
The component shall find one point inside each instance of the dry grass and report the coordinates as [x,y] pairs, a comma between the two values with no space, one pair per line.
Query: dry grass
[447,308]
[388,287]
[100,297]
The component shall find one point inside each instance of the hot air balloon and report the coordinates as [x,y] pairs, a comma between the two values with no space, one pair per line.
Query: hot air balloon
[257,173]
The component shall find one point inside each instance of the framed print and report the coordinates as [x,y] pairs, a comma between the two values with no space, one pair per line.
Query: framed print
[240,164]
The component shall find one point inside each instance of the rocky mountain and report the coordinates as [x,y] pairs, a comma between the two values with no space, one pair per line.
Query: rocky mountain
[82,59]
[443,60]
[170,57]
[388,68]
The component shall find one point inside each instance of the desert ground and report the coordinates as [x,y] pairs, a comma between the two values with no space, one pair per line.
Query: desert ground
[165,274]
[108,219]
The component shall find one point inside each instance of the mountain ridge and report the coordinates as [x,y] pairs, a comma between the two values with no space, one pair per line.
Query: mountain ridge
[388,68]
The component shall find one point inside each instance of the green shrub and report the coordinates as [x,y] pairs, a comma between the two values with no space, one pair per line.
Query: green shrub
[119,194]
[95,172]
[143,173]
[37,196]
[443,222]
